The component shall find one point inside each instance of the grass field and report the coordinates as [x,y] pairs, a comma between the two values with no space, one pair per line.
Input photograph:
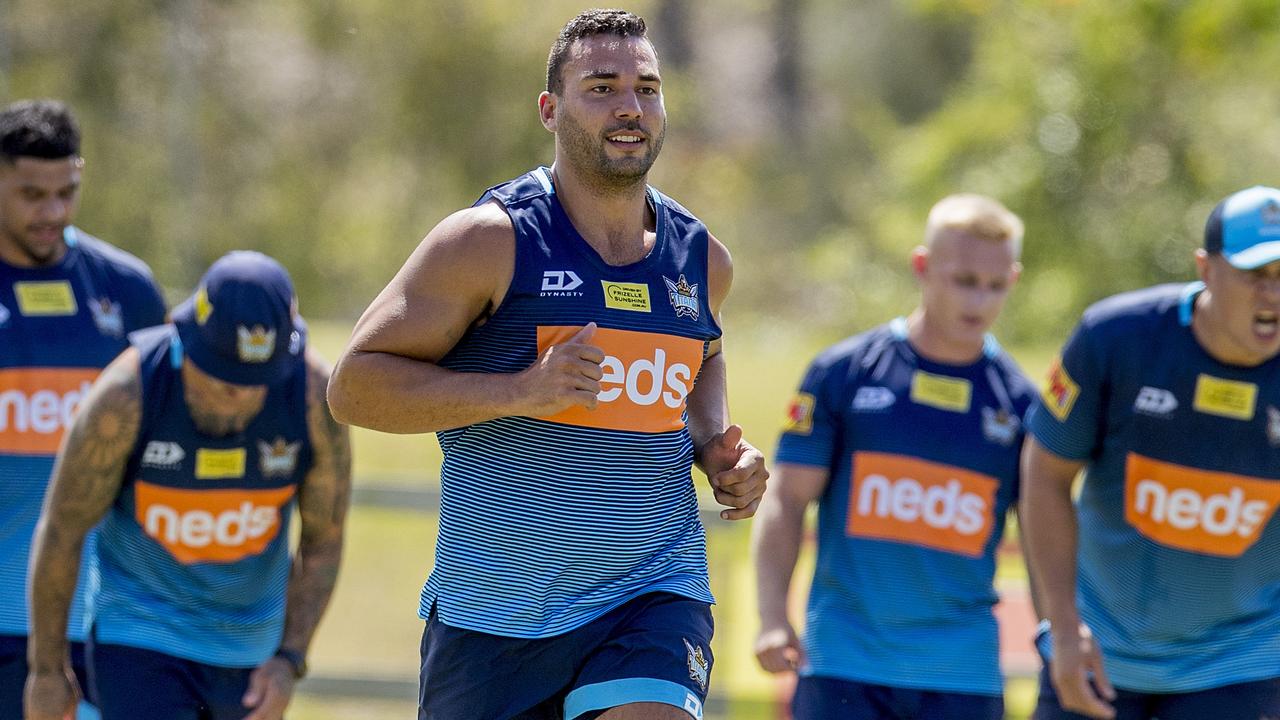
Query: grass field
[371,630]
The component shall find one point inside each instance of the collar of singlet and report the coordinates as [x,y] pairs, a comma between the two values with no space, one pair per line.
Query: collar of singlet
[1187,302]
[990,346]
[543,175]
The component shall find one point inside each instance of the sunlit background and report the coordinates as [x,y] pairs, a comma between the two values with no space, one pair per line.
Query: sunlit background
[811,135]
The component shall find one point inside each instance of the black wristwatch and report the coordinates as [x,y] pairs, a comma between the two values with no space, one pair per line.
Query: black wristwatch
[294,658]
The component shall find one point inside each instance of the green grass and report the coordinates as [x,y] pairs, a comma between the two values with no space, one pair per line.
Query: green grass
[372,629]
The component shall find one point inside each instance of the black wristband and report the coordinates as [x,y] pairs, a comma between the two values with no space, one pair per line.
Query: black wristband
[294,658]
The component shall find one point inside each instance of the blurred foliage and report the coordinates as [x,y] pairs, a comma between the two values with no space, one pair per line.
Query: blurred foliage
[811,135]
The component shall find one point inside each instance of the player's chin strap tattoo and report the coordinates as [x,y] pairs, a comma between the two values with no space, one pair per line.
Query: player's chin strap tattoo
[86,479]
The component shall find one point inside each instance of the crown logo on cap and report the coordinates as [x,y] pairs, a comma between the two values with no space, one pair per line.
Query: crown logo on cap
[256,345]
[1271,213]
[203,307]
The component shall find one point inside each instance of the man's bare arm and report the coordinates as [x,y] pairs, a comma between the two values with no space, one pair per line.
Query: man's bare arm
[734,467]
[775,545]
[1051,537]
[86,479]
[322,505]
[389,379]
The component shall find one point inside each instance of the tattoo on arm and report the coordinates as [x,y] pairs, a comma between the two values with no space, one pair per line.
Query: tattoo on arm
[322,504]
[86,479]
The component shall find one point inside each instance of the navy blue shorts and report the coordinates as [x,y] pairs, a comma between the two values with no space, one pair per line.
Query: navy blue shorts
[135,684]
[655,648]
[825,698]
[13,673]
[1244,701]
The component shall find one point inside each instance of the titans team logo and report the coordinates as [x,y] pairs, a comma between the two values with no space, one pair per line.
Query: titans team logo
[1000,426]
[107,316]
[1273,426]
[279,459]
[683,296]
[1271,213]
[256,345]
[699,668]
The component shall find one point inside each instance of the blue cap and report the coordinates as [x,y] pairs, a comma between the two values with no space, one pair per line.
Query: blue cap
[242,324]
[1245,228]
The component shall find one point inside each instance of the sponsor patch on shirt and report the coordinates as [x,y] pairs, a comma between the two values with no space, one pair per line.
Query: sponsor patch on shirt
[1225,398]
[163,455]
[626,296]
[1201,511]
[647,379]
[940,391]
[49,298]
[871,398]
[219,464]
[37,406]
[1156,402]
[1060,391]
[210,526]
[918,502]
[800,415]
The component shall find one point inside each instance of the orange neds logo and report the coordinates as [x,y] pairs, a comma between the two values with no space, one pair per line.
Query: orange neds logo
[647,377]
[919,502]
[1213,513]
[210,526]
[37,404]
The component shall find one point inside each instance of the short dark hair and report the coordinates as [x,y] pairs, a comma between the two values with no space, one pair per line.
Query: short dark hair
[38,128]
[587,24]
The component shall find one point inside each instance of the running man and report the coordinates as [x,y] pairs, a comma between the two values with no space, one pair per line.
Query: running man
[907,436]
[67,302]
[563,337]
[196,444]
[1160,583]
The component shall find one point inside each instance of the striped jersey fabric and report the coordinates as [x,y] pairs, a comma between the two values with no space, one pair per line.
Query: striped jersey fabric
[1179,551]
[59,326]
[193,556]
[923,468]
[547,523]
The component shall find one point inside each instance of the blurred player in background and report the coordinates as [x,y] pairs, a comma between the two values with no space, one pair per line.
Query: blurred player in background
[907,436]
[1169,399]
[563,337]
[67,301]
[196,445]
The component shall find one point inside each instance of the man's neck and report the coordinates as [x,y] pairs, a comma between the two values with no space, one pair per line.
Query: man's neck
[13,255]
[616,222]
[1208,332]
[933,345]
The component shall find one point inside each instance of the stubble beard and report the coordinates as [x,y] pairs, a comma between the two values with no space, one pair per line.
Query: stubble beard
[589,155]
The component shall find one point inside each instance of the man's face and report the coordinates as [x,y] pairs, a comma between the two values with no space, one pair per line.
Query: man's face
[964,282]
[38,200]
[219,408]
[1246,309]
[609,118]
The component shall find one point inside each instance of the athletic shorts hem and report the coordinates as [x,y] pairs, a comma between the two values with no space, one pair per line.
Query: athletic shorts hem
[898,683]
[605,695]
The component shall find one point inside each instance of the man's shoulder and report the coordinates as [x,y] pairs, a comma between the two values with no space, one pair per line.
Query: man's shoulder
[857,350]
[1127,314]
[112,259]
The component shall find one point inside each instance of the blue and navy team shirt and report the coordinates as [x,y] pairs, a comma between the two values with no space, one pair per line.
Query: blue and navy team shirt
[1179,560]
[547,523]
[59,326]
[193,558]
[923,462]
